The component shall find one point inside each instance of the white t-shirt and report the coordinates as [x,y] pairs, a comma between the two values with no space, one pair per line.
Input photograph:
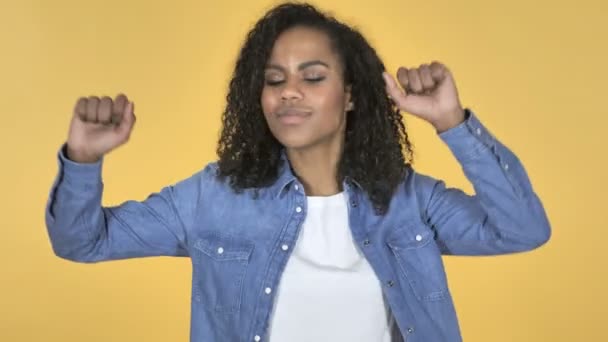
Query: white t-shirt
[328,291]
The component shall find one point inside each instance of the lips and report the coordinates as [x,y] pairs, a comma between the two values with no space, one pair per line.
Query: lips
[292,116]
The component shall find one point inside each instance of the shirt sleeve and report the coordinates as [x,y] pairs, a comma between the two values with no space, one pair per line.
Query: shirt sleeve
[81,229]
[504,216]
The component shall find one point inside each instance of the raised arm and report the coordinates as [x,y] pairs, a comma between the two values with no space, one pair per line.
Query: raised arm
[504,215]
[79,227]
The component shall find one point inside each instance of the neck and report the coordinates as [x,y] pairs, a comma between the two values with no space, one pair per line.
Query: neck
[317,168]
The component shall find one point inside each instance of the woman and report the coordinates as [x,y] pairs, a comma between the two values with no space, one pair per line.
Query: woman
[312,224]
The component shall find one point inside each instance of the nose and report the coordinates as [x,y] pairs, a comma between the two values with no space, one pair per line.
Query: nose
[291,91]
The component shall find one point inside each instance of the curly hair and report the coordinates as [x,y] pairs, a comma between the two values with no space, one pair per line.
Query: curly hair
[377,153]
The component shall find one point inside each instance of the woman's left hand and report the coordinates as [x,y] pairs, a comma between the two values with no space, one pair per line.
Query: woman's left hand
[429,92]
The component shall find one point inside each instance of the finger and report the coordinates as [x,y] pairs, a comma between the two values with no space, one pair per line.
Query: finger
[415,83]
[428,84]
[438,71]
[120,102]
[80,108]
[104,111]
[92,104]
[128,120]
[397,94]
[391,86]
[403,79]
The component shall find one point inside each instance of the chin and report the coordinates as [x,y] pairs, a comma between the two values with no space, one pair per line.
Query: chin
[295,142]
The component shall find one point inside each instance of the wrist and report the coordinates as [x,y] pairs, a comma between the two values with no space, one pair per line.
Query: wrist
[450,120]
[79,156]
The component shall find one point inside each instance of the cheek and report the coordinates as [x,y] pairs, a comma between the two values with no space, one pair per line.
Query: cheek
[268,102]
[331,101]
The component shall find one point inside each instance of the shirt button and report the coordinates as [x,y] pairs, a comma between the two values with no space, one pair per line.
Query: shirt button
[410,330]
[390,283]
[297,187]
[257,338]
[284,247]
[418,237]
[366,242]
[299,209]
[506,166]
[268,290]
[478,131]
[220,250]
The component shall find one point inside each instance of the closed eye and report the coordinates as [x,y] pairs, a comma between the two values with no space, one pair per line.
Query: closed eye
[274,83]
[309,80]
[315,80]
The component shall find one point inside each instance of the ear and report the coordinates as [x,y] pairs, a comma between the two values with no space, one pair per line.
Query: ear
[348,99]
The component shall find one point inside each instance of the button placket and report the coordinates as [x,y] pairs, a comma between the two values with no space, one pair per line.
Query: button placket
[292,228]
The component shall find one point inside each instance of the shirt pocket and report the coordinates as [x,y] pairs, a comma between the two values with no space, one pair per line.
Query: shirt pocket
[220,262]
[420,261]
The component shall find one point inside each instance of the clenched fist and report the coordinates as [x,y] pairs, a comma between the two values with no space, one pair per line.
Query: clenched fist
[428,92]
[99,126]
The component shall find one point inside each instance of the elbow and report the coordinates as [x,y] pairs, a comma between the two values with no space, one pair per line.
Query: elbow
[544,234]
[543,229]
[77,247]
[534,227]
[540,234]
[541,225]
[70,253]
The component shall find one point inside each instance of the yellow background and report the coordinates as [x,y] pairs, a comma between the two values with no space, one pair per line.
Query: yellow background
[534,71]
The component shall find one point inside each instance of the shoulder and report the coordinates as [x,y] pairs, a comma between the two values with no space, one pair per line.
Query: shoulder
[203,179]
[418,181]
[419,185]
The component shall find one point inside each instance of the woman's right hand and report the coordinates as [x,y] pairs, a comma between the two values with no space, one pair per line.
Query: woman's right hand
[98,126]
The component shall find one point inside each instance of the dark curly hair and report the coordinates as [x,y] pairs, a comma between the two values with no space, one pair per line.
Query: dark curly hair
[377,153]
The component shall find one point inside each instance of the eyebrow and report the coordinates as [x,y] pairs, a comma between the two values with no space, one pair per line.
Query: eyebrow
[300,67]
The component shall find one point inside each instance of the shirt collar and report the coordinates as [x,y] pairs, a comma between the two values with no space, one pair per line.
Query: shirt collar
[287,178]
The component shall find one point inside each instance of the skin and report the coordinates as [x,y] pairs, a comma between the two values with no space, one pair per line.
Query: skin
[314,144]
[305,104]
[304,75]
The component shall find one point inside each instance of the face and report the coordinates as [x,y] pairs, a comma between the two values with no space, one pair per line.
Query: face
[304,98]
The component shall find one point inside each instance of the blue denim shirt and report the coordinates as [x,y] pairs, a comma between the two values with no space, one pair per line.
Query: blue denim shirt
[239,244]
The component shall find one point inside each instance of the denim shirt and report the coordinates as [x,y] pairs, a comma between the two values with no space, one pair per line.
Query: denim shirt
[239,243]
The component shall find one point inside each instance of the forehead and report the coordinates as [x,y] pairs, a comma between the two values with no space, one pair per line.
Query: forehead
[299,44]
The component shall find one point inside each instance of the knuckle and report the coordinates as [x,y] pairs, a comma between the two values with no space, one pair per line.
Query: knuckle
[402,78]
